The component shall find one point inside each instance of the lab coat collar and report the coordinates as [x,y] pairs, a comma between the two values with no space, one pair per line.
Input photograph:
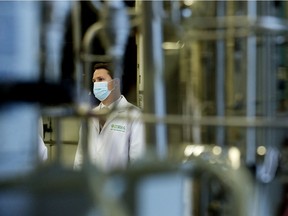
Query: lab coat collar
[112,105]
[116,108]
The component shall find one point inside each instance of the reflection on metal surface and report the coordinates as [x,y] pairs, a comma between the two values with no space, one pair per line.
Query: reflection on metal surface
[231,156]
[261,150]
[266,171]
[172,45]
[234,156]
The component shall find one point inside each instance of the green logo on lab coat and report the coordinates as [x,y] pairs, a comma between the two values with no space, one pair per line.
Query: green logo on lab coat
[116,127]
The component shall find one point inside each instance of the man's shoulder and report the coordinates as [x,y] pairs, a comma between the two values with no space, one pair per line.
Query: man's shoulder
[128,108]
[128,105]
[133,106]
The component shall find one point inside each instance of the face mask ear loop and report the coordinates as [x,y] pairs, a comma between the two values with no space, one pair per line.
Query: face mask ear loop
[113,85]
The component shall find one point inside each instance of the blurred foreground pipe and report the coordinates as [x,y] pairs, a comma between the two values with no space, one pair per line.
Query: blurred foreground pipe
[154,85]
[19,54]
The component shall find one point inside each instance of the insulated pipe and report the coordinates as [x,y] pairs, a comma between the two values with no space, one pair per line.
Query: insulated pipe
[76,35]
[19,57]
[54,31]
[19,121]
[154,86]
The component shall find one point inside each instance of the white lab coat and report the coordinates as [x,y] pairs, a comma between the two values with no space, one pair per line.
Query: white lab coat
[120,142]
[42,149]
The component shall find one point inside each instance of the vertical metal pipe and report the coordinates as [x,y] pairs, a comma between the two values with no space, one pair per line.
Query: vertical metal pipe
[54,37]
[78,73]
[76,34]
[251,87]
[230,57]
[114,34]
[154,85]
[19,57]
[58,133]
[220,79]
[140,73]
[194,92]
[268,78]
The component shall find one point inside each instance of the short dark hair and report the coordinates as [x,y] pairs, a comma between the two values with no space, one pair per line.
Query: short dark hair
[105,65]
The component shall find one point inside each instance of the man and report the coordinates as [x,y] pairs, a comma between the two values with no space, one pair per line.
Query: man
[118,141]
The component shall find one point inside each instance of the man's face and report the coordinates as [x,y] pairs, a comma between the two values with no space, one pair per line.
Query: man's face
[102,75]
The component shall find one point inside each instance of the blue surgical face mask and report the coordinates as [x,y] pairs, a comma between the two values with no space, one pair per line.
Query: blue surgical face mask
[101,91]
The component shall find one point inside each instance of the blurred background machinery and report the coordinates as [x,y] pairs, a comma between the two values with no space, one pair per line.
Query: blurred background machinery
[210,76]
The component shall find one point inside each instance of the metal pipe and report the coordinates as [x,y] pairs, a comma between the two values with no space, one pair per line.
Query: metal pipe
[58,142]
[220,79]
[88,37]
[154,85]
[140,72]
[232,121]
[230,49]
[19,56]
[251,87]
[76,36]
[54,31]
